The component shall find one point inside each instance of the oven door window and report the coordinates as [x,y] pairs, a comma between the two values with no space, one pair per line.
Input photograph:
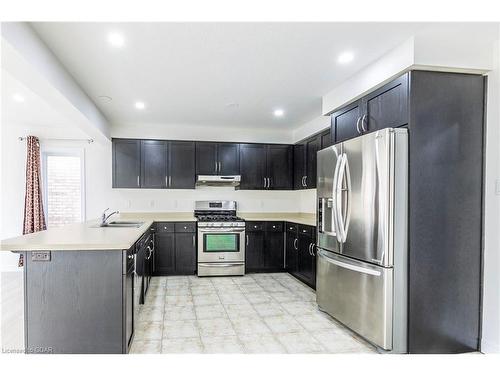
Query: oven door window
[221,242]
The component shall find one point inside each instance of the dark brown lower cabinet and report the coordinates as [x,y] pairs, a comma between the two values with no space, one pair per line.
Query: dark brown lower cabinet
[175,249]
[165,254]
[264,250]
[301,252]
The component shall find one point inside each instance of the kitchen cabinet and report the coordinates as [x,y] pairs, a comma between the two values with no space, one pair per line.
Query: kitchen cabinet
[165,253]
[253,166]
[301,252]
[326,138]
[291,248]
[268,167]
[217,158]
[299,165]
[385,107]
[175,248]
[345,122]
[154,164]
[313,145]
[126,163]
[264,250]
[181,165]
[279,164]
[305,162]
[254,251]
[185,253]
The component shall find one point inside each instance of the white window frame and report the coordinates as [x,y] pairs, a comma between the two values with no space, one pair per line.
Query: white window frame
[63,151]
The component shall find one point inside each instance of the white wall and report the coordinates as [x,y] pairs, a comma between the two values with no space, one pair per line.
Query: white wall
[311,127]
[491,293]
[201,133]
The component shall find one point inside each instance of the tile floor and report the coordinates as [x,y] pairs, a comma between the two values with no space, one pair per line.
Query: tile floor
[258,313]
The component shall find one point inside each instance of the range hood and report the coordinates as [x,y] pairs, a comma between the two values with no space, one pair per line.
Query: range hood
[215,180]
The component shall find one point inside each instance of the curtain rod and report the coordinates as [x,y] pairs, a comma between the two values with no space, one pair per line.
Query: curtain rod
[89,140]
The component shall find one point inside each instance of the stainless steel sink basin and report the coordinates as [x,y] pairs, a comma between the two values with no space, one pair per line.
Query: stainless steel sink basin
[121,224]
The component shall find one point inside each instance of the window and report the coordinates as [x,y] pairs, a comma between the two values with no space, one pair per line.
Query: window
[63,187]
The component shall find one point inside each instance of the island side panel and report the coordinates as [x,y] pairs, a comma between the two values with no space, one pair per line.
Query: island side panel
[74,302]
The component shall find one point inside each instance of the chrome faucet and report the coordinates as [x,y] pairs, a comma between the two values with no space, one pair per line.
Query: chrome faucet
[104,218]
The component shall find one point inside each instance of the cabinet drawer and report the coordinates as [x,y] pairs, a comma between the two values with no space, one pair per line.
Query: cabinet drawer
[162,227]
[291,227]
[185,227]
[254,226]
[306,230]
[274,226]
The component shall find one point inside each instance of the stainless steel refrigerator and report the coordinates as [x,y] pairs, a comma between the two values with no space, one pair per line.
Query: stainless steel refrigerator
[362,191]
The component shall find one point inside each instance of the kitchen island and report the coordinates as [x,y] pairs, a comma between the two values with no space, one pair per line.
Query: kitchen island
[79,285]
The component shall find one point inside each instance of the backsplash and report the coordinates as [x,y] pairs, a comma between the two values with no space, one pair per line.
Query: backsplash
[131,200]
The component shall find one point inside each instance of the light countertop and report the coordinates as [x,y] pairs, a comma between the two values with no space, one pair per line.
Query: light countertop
[87,236]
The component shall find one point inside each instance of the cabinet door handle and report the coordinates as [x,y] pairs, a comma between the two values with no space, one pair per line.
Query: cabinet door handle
[138,183]
[220,166]
[247,239]
[363,118]
[215,167]
[269,182]
[166,181]
[264,182]
[357,125]
[194,240]
[295,244]
[305,181]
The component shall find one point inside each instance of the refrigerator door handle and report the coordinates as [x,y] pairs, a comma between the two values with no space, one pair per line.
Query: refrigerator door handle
[334,190]
[348,265]
[341,233]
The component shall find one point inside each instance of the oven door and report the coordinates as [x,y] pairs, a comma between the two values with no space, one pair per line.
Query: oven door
[217,245]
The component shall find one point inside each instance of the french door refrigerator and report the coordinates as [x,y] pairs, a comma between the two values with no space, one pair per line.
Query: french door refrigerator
[362,190]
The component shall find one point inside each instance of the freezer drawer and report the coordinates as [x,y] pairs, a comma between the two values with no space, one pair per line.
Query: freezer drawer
[357,294]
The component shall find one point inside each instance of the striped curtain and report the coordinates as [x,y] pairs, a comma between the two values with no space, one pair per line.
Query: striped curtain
[34,219]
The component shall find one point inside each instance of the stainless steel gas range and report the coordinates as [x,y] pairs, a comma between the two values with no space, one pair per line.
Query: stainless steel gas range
[221,239]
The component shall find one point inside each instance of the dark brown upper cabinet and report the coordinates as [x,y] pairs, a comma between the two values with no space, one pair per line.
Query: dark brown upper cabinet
[305,162]
[153,164]
[126,163]
[386,107]
[279,163]
[345,122]
[253,166]
[181,165]
[383,108]
[217,158]
[266,167]
[326,138]
[154,170]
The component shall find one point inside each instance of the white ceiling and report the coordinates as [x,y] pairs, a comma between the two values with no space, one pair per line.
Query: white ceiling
[188,73]
[33,113]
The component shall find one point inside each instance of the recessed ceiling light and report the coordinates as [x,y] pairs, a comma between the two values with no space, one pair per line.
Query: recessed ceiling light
[18,98]
[232,105]
[345,57]
[279,112]
[116,39]
[140,105]
[105,98]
